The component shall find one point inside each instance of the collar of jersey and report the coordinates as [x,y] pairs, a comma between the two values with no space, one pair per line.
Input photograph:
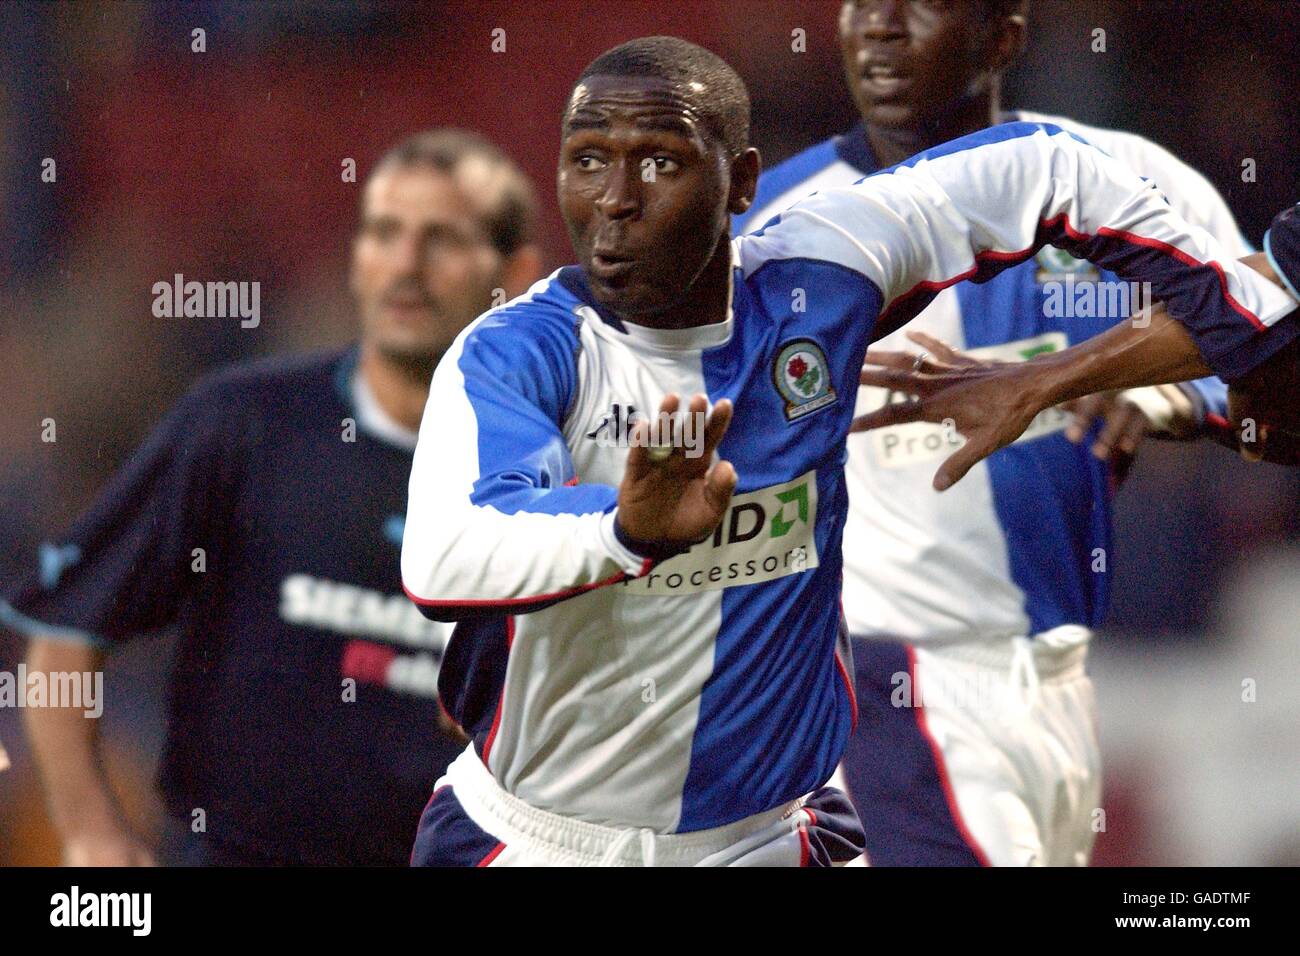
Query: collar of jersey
[693,339]
[372,418]
[346,372]
[855,149]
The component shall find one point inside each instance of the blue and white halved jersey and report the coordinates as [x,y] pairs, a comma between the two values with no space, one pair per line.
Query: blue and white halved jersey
[1022,544]
[705,688]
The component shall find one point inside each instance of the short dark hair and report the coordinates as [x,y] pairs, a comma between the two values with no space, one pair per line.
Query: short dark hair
[721,100]
[512,205]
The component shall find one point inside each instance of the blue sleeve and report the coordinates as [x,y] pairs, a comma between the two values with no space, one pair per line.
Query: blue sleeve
[497,519]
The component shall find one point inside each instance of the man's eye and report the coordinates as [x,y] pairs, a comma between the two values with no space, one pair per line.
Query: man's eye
[666,164]
[587,162]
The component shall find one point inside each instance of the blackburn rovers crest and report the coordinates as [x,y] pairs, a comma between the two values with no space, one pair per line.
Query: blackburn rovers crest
[803,377]
[1055,264]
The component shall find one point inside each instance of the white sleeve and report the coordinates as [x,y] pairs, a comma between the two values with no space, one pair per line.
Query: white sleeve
[973,207]
[1190,194]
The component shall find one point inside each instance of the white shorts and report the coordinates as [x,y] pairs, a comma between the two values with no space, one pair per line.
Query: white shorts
[978,754]
[472,821]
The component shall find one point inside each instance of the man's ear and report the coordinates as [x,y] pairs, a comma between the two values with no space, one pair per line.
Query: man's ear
[521,269]
[1008,41]
[744,180]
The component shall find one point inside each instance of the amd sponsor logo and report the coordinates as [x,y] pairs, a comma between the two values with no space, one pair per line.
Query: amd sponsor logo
[357,612]
[766,534]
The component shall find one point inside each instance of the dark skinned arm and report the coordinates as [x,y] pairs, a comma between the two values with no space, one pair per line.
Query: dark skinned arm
[992,405]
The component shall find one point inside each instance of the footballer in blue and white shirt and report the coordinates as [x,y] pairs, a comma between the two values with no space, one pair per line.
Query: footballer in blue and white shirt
[646,654]
[1008,571]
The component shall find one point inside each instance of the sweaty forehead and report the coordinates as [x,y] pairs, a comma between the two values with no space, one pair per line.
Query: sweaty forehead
[645,101]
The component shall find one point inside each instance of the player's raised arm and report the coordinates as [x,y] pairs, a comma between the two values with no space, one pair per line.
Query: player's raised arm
[497,519]
[991,405]
[973,207]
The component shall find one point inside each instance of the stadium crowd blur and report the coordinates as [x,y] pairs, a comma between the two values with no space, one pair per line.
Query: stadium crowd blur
[227,165]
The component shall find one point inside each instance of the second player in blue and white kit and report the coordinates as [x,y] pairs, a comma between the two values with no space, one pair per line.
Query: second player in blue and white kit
[971,610]
[670,696]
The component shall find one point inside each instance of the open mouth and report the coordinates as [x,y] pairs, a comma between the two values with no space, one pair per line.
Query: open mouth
[884,80]
[882,77]
[607,265]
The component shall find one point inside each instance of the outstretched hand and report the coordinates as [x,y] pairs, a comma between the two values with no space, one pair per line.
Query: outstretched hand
[673,494]
[1124,426]
[989,403]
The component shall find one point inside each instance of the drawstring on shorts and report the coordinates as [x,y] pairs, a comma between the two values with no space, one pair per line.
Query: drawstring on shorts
[1023,676]
[611,855]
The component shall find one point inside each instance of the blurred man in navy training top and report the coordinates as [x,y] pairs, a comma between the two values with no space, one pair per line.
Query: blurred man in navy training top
[264,518]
